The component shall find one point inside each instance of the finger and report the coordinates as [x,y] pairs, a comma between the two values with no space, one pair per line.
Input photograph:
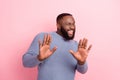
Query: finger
[89,48]
[44,40]
[49,41]
[80,43]
[40,44]
[85,44]
[54,49]
[72,52]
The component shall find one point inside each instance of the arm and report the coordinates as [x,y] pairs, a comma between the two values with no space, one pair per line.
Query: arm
[82,68]
[30,57]
[38,51]
[81,55]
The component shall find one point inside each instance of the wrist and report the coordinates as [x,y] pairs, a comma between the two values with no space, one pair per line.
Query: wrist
[38,57]
[81,63]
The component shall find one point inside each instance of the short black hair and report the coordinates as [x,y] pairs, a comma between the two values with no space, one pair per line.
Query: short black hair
[60,16]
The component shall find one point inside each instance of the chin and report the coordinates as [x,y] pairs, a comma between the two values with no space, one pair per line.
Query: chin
[70,36]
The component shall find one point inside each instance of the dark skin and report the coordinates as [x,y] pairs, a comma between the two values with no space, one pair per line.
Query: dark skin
[68,24]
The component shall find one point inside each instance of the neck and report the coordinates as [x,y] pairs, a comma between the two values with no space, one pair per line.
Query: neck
[58,32]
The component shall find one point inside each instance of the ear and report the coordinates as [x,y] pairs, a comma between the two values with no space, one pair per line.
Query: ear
[58,26]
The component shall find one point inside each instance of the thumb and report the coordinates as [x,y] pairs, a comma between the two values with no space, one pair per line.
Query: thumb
[72,52]
[54,49]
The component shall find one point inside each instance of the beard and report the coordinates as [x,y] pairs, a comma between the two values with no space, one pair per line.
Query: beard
[65,34]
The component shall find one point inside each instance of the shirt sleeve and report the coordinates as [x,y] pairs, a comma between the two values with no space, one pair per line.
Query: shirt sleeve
[82,68]
[29,59]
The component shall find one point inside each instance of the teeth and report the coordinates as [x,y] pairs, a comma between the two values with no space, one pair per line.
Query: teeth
[70,32]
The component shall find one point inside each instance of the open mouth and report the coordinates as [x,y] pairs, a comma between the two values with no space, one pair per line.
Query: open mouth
[70,32]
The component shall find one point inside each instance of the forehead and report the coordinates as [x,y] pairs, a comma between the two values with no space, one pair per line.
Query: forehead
[68,19]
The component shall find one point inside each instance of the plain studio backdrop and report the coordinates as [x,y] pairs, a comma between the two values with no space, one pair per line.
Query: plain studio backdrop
[97,20]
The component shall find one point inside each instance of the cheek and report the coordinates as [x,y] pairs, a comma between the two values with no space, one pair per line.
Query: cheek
[66,28]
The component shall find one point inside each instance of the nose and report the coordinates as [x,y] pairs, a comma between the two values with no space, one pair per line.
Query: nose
[72,26]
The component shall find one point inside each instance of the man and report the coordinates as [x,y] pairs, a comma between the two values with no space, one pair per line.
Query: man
[56,54]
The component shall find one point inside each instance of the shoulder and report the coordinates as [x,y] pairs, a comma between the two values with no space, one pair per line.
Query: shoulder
[41,34]
[75,42]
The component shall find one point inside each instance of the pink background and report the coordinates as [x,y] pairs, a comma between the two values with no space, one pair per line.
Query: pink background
[97,20]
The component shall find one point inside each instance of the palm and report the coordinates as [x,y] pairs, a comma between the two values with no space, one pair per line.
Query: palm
[81,55]
[44,51]
[82,52]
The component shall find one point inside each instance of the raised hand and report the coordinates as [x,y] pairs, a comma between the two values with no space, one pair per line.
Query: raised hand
[82,52]
[44,48]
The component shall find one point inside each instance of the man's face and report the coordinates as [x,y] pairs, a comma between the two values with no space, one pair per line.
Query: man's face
[67,27]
